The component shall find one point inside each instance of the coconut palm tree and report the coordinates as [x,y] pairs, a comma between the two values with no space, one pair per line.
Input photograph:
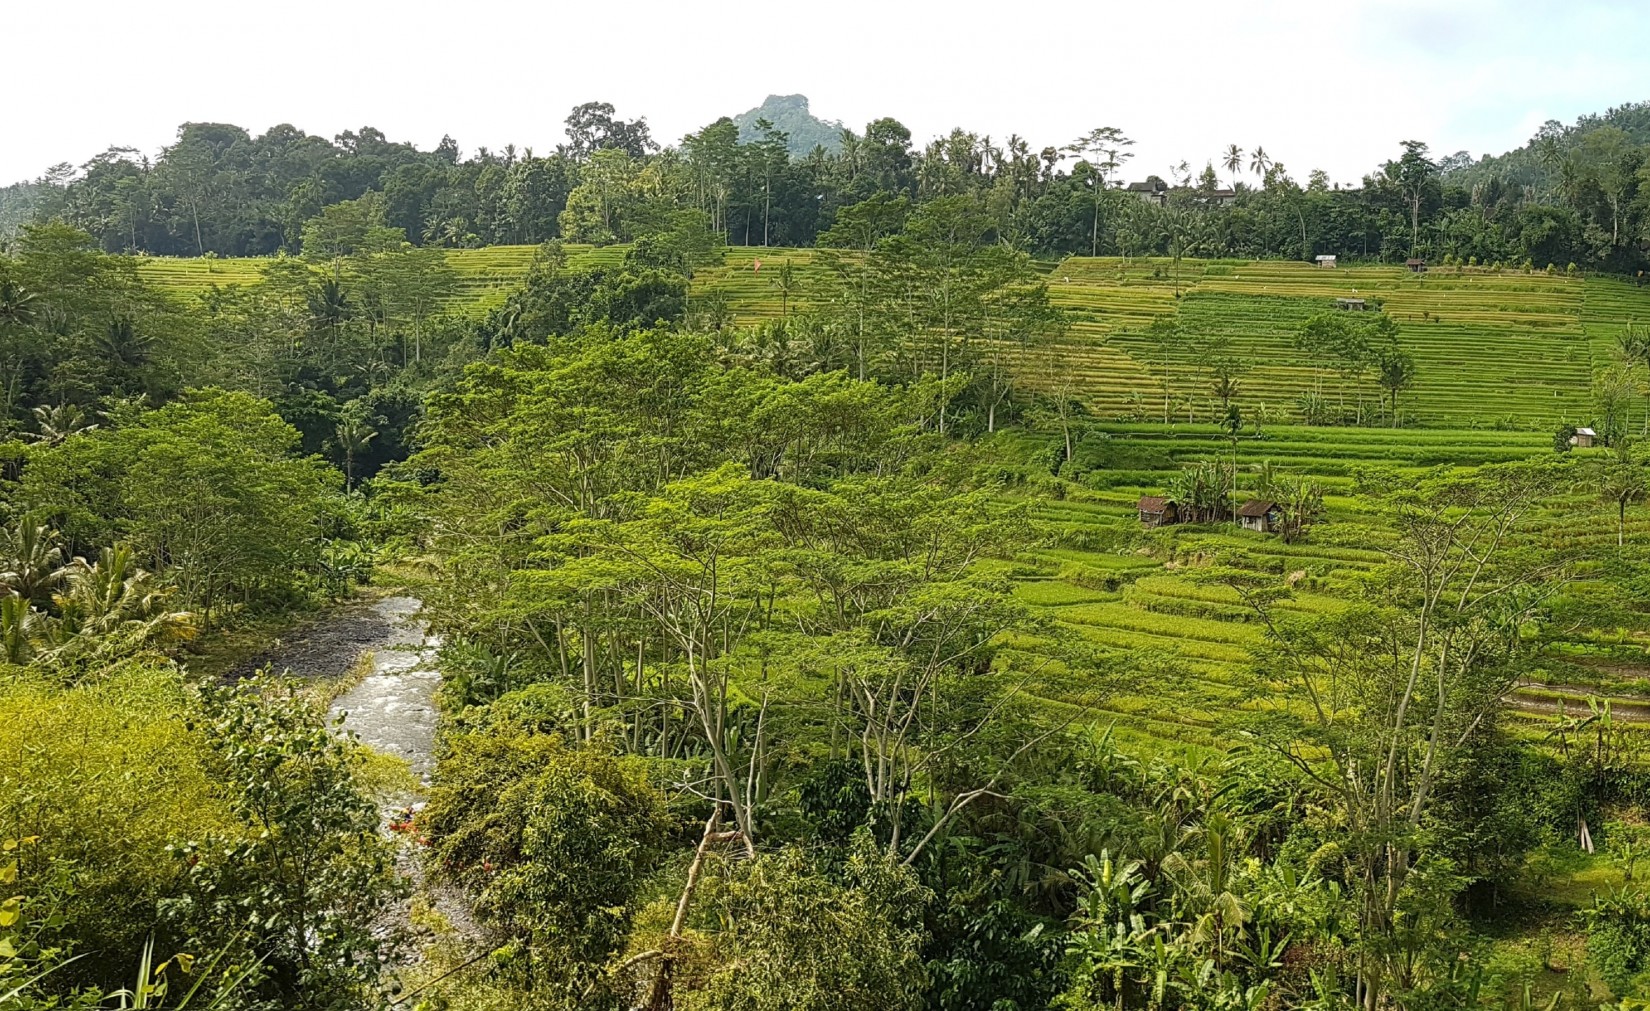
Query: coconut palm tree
[352,436]
[17,304]
[329,307]
[20,627]
[788,283]
[18,307]
[113,599]
[852,152]
[1621,482]
[1259,162]
[122,344]
[1233,161]
[31,558]
[55,424]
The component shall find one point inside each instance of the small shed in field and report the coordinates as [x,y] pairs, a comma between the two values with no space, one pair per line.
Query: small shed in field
[1584,438]
[1258,514]
[1351,304]
[1325,259]
[1157,511]
[1416,265]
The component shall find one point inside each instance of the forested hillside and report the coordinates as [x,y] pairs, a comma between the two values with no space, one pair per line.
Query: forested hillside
[880,580]
[1572,195]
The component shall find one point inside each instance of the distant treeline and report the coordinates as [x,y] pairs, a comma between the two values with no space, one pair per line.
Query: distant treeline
[1578,194]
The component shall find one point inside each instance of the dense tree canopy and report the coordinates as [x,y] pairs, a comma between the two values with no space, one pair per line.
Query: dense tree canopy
[1572,195]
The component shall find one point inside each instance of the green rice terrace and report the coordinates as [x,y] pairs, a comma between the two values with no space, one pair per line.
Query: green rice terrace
[1128,589]
[1492,348]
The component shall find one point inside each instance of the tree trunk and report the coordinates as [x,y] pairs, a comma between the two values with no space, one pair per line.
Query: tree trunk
[1094,233]
[659,991]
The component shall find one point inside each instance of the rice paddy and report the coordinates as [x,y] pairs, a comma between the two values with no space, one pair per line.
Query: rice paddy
[1493,349]
[1134,594]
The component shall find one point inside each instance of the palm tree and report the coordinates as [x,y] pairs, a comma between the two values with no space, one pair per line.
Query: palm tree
[329,307]
[113,595]
[56,424]
[122,344]
[17,304]
[853,151]
[1397,374]
[788,284]
[1233,160]
[20,628]
[1621,481]
[1259,162]
[352,437]
[17,310]
[32,560]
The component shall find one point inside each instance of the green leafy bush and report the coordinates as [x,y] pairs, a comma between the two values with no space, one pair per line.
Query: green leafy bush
[301,879]
[106,776]
[552,838]
[1618,940]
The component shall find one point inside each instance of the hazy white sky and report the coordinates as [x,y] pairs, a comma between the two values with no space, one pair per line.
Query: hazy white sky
[1332,84]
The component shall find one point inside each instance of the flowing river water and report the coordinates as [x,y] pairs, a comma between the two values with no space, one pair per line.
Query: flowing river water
[391,710]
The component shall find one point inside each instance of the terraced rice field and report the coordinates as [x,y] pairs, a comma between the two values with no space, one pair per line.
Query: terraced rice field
[485,276]
[1132,594]
[1491,348]
[199,275]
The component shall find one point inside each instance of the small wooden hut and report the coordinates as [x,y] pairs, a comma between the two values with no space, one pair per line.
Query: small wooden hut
[1259,515]
[1416,265]
[1157,511]
[1326,260]
[1584,438]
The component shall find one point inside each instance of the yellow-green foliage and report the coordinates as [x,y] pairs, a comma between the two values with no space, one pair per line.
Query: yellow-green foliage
[106,775]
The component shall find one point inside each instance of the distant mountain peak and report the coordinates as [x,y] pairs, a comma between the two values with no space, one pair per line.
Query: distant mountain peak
[790,114]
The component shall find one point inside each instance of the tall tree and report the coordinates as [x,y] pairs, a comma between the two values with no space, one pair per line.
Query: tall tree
[1413,174]
[1398,690]
[1232,159]
[1259,162]
[1105,149]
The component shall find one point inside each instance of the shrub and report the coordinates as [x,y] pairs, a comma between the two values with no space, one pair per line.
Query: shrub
[780,913]
[553,840]
[32,957]
[306,864]
[1618,940]
[105,775]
